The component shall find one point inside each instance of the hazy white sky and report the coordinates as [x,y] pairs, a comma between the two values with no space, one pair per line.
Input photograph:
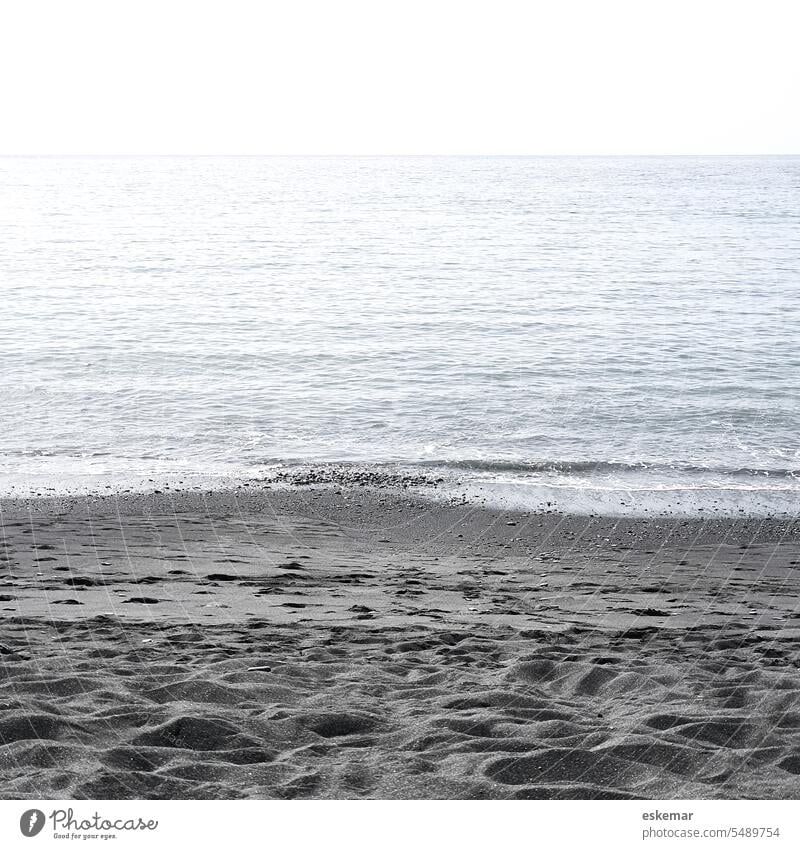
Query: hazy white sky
[343,76]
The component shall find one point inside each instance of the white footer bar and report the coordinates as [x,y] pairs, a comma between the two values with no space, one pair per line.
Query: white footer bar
[417,824]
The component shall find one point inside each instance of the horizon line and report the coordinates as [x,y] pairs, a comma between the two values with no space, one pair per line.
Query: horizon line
[397,155]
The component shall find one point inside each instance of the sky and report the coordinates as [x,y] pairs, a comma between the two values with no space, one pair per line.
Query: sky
[387,77]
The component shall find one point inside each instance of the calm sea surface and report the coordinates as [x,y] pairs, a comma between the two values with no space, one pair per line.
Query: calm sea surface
[619,332]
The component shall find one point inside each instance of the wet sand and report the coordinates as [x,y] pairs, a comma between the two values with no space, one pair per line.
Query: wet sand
[365,643]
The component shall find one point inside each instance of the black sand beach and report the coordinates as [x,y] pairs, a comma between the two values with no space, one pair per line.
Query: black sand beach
[365,643]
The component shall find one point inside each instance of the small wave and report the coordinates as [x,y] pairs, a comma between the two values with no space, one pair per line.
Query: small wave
[566,467]
[533,467]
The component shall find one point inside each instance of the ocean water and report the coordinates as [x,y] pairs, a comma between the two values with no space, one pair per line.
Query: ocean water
[602,333]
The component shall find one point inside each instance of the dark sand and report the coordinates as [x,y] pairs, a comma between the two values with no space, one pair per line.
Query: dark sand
[362,643]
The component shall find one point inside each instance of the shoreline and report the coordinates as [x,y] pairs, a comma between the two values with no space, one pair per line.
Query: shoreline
[577,489]
[358,504]
[369,643]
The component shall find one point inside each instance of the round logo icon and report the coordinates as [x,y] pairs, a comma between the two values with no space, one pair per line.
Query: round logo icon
[31,822]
